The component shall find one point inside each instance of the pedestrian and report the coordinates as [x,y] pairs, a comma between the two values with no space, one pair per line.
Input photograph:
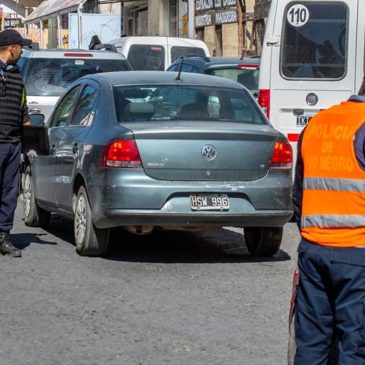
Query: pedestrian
[329,206]
[95,41]
[13,115]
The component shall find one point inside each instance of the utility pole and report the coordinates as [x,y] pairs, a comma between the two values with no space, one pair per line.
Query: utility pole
[191,18]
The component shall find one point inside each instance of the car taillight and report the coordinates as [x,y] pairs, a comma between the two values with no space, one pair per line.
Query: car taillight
[74,54]
[245,65]
[282,156]
[264,100]
[121,154]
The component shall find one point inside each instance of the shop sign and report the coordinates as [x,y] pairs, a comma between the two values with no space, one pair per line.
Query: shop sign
[203,20]
[203,4]
[226,16]
[12,22]
[218,4]
[229,3]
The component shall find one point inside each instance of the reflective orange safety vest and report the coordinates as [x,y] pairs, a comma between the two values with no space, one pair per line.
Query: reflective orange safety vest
[333,203]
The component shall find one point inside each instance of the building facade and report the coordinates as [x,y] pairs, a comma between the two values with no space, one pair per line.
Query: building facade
[225,26]
[261,13]
[228,27]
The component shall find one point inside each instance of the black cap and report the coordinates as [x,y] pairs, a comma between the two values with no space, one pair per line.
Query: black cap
[11,36]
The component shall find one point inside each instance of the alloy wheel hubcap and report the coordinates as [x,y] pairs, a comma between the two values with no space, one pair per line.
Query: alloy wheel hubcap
[80,219]
[27,195]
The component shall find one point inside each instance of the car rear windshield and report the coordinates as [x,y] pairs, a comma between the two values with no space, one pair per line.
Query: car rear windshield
[185,103]
[178,51]
[248,77]
[315,40]
[51,77]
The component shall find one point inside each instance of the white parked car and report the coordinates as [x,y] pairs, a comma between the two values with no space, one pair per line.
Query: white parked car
[47,74]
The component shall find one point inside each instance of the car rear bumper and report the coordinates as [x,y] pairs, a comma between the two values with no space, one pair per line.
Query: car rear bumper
[133,198]
[119,217]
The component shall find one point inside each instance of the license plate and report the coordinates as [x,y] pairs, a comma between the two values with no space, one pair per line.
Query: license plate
[209,202]
[302,120]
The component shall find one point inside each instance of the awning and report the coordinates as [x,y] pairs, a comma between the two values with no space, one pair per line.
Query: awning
[51,7]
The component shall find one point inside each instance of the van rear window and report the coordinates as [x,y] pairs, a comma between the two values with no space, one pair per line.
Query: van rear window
[147,57]
[315,40]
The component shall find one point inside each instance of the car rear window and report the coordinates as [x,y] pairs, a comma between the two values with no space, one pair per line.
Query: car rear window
[185,103]
[147,57]
[315,40]
[248,77]
[51,77]
[178,51]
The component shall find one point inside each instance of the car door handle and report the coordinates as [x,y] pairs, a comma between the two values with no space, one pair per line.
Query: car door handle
[34,110]
[75,148]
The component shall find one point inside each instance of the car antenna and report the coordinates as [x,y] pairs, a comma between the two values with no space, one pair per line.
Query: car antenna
[181,66]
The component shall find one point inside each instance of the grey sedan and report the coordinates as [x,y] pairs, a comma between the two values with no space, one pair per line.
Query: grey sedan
[142,150]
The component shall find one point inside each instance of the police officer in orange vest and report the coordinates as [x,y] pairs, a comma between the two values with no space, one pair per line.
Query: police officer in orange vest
[329,205]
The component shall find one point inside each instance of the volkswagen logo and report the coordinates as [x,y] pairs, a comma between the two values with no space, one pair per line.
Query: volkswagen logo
[209,152]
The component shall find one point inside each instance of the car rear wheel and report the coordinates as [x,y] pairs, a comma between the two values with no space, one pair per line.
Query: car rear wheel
[34,216]
[89,240]
[263,241]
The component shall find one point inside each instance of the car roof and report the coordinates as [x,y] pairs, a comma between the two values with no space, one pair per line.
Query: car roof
[211,62]
[162,77]
[235,60]
[71,53]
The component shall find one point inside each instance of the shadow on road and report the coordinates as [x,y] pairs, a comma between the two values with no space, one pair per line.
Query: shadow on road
[218,246]
[23,240]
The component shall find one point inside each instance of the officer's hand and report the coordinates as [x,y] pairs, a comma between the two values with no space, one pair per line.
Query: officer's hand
[27,122]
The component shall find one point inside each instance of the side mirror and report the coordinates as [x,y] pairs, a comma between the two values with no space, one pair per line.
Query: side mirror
[35,138]
[37,119]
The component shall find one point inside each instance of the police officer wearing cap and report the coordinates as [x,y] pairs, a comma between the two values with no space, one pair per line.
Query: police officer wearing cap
[13,116]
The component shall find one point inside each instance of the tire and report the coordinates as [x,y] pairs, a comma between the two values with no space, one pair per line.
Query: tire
[263,241]
[34,216]
[89,240]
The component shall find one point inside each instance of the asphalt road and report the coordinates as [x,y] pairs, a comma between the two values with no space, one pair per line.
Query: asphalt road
[170,298]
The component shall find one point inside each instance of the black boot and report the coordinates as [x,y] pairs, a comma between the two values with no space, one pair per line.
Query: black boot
[6,247]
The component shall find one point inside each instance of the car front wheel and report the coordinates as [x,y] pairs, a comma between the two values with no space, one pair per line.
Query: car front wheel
[34,216]
[263,241]
[89,240]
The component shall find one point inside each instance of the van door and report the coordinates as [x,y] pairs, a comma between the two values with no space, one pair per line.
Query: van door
[313,63]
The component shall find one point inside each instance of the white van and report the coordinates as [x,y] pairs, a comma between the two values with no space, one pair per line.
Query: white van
[312,58]
[157,53]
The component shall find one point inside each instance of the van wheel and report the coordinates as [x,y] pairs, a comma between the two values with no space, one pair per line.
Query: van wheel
[89,240]
[263,241]
[33,215]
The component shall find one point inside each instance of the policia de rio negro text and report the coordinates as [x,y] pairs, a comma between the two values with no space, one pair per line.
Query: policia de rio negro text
[13,116]
[329,205]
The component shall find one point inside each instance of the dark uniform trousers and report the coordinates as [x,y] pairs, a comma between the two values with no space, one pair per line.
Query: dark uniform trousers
[9,183]
[331,303]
